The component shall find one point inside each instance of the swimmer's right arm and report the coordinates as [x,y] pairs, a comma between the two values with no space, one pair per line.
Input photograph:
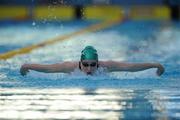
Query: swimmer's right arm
[65,67]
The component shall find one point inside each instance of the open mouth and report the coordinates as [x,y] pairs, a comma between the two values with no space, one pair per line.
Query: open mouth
[89,73]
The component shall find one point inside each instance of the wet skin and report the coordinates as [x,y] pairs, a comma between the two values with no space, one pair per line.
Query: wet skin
[89,66]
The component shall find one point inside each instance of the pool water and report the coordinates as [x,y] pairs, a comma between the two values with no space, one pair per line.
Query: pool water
[118,95]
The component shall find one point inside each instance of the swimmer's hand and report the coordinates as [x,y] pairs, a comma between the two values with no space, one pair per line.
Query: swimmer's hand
[24,69]
[160,70]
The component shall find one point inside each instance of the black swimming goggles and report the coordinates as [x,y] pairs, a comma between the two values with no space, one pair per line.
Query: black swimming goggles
[86,64]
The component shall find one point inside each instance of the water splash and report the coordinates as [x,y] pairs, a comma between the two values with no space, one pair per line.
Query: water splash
[100,73]
[33,23]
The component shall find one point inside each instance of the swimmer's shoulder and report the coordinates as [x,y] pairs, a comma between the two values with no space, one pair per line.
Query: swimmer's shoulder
[109,63]
[70,64]
[105,63]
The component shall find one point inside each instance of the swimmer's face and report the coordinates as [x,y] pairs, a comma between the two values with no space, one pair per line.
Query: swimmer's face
[89,66]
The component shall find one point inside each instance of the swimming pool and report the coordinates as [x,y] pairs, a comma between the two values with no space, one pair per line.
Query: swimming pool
[120,95]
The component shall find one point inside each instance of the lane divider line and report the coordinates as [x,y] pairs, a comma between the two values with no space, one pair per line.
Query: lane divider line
[28,49]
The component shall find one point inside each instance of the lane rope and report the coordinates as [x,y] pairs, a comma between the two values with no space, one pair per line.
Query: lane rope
[28,49]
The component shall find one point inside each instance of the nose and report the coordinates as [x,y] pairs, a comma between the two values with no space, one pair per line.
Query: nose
[89,68]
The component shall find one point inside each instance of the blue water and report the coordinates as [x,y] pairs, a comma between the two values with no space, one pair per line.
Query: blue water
[118,95]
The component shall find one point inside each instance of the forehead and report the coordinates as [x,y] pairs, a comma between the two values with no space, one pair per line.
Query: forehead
[89,61]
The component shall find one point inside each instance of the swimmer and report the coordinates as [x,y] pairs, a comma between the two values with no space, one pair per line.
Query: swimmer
[89,63]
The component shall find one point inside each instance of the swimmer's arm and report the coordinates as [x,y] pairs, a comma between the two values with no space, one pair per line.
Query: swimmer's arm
[132,67]
[65,67]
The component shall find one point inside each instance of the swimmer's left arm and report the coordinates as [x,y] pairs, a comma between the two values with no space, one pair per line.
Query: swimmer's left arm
[132,67]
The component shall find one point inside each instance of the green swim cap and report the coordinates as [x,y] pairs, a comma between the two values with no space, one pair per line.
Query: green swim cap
[89,53]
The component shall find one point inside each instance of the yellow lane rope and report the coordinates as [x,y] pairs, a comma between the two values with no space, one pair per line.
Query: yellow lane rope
[28,49]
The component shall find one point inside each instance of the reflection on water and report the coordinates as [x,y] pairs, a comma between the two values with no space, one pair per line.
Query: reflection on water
[113,104]
[62,104]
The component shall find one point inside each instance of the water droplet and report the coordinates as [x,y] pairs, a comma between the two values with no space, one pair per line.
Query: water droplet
[33,24]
